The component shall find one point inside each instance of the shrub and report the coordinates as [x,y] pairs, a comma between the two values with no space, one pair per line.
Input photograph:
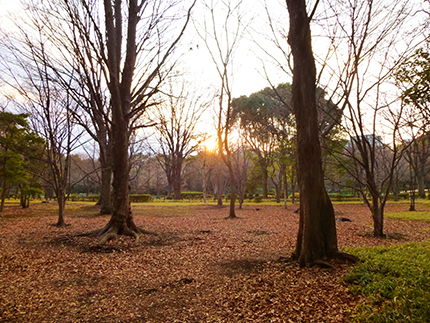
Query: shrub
[403,196]
[258,199]
[140,198]
[192,195]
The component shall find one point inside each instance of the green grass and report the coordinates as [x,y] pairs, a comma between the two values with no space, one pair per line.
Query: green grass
[186,202]
[395,282]
[411,215]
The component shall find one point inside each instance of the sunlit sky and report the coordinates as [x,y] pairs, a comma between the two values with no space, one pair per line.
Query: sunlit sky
[249,61]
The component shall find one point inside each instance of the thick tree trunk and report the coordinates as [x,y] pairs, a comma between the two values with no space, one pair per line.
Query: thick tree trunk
[121,221]
[105,200]
[177,181]
[317,237]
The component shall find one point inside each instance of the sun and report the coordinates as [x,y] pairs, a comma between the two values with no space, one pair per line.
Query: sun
[210,144]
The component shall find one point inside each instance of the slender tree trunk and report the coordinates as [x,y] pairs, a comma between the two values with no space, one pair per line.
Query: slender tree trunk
[293,185]
[265,178]
[3,194]
[278,192]
[421,181]
[396,188]
[240,201]
[317,237]
[232,213]
[61,201]
[204,195]
[219,190]
[412,205]
[284,183]
[378,217]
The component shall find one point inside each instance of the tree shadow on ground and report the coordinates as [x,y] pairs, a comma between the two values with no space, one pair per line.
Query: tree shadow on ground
[241,266]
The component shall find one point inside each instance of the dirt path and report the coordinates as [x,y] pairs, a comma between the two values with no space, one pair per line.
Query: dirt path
[198,268]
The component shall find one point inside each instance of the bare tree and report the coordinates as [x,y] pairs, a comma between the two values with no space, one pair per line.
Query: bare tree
[376,42]
[221,37]
[206,160]
[242,162]
[77,54]
[176,134]
[49,109]
[317,238]
[135,33]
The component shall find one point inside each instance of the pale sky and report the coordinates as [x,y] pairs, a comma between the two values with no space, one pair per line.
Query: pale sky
[247,62]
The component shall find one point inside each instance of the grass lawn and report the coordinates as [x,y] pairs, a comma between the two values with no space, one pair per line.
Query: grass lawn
[395,282]
[410,215]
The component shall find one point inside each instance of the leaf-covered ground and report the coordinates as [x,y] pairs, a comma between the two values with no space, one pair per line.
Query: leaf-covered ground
[198,267]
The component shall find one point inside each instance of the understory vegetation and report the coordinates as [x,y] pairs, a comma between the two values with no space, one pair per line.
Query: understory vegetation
[395,281]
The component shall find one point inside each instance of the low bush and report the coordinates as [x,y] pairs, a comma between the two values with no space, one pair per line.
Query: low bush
[140,198]
[258,199]
[403,196]
[83,198]
[192,195]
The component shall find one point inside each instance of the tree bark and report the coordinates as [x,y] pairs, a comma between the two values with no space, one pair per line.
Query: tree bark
[105,200]
[421,181]
[378,218]
[121,221]
[219,184]
[317,238]
[264,173]
[3,194]
[61,201]
[177,179]
[232,174]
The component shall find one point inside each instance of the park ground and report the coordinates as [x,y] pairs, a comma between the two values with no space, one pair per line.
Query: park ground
[196,267]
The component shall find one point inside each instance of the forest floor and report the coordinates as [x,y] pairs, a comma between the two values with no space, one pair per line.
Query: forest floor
[198,267]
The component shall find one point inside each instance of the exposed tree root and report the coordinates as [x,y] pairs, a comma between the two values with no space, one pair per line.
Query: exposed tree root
[323,263]
[61,225]
[343,256]
[231,217]
[110,232]
[346,256]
